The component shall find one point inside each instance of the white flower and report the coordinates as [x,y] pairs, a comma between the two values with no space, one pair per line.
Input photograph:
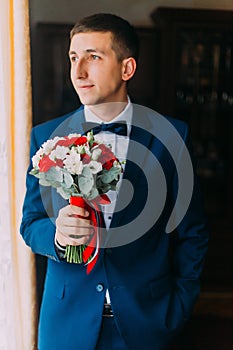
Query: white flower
[49,145]
[90,137]
[116,164]
[37,157]
[96,152]
[73,163]
[59,152]
[83,149]
[94,166]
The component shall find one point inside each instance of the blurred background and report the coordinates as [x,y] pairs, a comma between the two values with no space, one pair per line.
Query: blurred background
[185,71]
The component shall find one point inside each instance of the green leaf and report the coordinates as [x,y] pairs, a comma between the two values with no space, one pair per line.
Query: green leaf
[93,193]
[104,188]
[85,184]
[90,138]
[55,176]
[86,172]
[65,193]
[43,181]
[113,187]
[109,175]
[86,181]
[68,179]
[35,172]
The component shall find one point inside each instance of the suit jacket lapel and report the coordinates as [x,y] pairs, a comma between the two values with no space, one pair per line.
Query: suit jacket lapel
[71,124]
[75,122]
[139,148]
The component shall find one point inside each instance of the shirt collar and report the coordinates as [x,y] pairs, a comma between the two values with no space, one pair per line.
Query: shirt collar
[125,115]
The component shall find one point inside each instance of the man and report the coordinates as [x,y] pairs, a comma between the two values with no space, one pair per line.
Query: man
[143,287]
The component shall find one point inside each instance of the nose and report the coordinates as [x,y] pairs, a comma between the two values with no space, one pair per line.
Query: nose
[80,69]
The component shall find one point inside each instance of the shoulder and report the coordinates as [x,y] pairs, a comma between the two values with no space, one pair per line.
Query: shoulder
[169,126]
[159,124]
[44,131]
[50,125]
[180,125]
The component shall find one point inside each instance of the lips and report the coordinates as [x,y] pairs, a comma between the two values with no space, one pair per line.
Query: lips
[83,87]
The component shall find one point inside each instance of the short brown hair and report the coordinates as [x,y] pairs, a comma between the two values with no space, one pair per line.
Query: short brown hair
[125,41]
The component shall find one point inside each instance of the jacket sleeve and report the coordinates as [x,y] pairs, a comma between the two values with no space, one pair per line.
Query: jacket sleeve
[38,224]
[188,247]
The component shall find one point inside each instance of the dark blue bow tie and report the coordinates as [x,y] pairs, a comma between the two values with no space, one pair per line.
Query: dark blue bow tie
[117,128]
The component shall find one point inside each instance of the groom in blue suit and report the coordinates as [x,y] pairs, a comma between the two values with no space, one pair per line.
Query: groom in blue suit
[143,288]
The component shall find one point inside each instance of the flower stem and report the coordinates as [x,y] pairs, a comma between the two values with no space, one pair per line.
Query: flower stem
[74,254]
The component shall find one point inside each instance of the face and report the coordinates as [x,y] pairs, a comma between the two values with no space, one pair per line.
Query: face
[97,76]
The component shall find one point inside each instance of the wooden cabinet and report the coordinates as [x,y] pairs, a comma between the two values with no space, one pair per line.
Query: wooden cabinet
[196,85]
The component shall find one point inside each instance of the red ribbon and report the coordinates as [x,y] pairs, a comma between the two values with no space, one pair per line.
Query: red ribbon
[95,216]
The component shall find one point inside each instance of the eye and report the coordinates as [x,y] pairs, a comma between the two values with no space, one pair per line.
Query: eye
[73,58]
[95,57]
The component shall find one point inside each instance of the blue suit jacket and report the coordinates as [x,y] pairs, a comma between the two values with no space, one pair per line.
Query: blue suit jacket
[152,290]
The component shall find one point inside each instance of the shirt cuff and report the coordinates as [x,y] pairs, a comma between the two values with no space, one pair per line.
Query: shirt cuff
[60,250]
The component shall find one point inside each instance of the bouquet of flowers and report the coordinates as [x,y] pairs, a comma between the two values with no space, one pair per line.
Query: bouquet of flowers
[82,170]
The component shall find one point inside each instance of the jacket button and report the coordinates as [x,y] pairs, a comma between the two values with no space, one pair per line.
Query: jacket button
[99,287]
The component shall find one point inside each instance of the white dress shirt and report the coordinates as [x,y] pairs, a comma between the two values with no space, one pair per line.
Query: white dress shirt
[119,146]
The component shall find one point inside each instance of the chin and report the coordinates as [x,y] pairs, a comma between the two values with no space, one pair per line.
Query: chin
[85,100]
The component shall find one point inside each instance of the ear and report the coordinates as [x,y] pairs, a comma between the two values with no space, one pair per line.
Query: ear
[128,68]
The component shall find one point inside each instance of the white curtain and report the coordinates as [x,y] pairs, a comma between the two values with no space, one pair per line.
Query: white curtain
[17,266]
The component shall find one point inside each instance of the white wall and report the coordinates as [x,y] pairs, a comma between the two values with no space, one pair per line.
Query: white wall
[136,11]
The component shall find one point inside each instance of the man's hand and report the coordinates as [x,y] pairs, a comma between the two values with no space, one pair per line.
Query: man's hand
[73,226]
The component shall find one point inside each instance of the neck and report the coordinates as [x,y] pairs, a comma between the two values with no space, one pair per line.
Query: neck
[108,111]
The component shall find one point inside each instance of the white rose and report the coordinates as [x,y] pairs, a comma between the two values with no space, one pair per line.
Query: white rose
[48,145]
[73,163]
[35,160]
[59,153]
[96,153]
[94,166]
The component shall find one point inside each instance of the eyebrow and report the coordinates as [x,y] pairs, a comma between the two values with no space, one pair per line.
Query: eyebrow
[88,51]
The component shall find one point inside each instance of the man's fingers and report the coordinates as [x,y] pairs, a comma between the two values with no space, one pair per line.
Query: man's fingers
[78,211]
[72,222]
[71,226]
[76,230]
[70,210]
[74,240]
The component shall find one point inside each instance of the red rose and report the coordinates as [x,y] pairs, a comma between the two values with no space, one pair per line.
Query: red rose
[67,142]
[85,158]
[107,158]
[45,164]
[59,162]
[94,144]
[80,140]
[109,164]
